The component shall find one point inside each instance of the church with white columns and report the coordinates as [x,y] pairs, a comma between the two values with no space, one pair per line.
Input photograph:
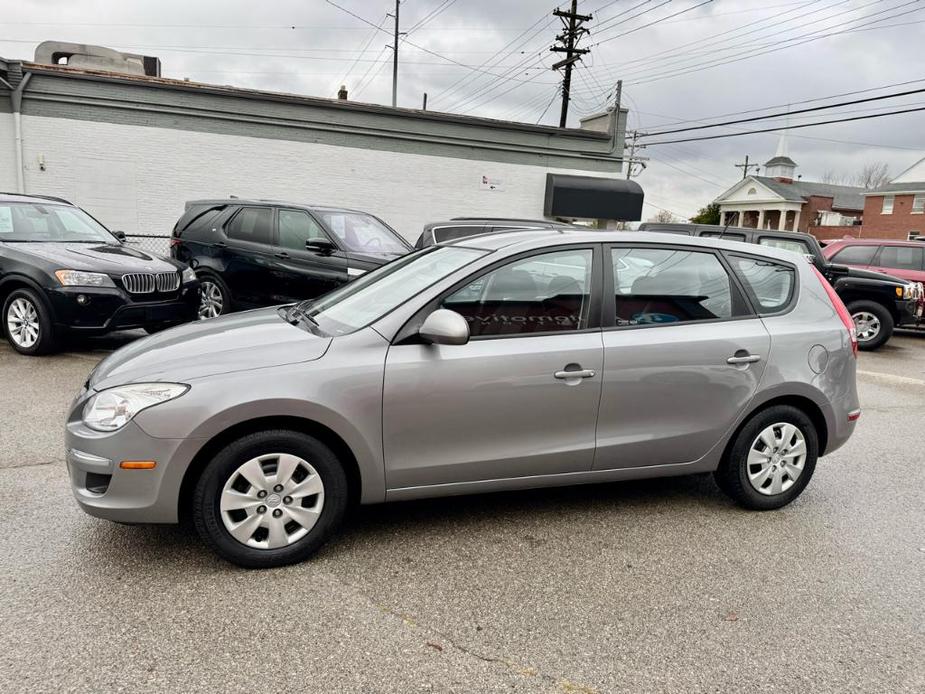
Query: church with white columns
[781,200]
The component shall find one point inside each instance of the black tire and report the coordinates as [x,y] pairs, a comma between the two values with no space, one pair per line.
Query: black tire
[732,475]
[45,342]
[208,279]
[207,515]
[883,315]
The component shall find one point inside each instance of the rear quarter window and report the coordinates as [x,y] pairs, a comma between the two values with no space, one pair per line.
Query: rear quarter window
[771,285]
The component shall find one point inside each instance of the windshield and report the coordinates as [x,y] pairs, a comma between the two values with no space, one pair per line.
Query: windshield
[362,233]
[359,303]
[53,223]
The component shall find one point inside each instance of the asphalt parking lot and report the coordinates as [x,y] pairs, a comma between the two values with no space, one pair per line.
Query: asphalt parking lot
[655,586]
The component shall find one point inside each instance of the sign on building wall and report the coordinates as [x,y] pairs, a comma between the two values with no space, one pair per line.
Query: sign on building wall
[491,183]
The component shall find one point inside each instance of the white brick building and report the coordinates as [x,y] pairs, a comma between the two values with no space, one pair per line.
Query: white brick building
[132,149]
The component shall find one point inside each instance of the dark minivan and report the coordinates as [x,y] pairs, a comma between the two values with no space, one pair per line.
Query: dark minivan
[251,253]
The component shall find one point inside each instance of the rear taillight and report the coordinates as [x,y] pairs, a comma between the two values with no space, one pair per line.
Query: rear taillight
[841,310]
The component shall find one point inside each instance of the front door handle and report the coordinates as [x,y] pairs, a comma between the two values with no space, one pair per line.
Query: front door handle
[745,359]
[582,373]
[284,256]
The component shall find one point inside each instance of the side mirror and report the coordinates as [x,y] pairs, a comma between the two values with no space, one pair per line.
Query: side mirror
[838,269]
[119,235]
[444,327]
[320,245]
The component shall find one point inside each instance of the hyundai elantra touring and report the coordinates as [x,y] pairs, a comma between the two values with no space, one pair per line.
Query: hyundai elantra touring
[505,361]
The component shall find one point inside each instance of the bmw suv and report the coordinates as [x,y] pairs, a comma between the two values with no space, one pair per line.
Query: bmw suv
[252,253]
[61,272]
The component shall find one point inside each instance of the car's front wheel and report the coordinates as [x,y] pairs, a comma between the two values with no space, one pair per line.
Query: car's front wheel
[873,323]
[214,297]
[27,323]
[771,460]
[270,498]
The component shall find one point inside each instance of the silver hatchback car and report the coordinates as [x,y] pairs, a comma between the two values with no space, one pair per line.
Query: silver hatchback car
[505,361]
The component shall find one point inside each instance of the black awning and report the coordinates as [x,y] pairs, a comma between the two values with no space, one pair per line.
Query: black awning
[592,198]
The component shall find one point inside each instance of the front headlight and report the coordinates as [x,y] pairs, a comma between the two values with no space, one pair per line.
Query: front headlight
[912,290]
[189,275]
[79,278]
[112,409]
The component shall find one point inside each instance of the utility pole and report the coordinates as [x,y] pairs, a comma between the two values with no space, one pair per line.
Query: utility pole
[395,58]
[572,31]
[746,167]
[633,159]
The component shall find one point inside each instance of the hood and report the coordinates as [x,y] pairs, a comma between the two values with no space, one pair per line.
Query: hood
[97,257]
[871,275]
[370,261]
[237,342]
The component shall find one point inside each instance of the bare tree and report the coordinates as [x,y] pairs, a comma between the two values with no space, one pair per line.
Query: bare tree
[663,217]
[872,175]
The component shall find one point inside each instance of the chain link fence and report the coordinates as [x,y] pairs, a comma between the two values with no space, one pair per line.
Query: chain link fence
[159,245]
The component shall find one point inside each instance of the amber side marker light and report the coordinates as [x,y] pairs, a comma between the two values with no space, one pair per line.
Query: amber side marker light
[137,464]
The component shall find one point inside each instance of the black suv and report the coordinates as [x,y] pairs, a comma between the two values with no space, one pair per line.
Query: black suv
[251,253]
[877,302]
[61,271]
[461,227]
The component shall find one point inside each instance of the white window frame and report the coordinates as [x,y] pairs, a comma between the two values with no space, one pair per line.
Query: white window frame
[918,203]
[913,234]
[888,202]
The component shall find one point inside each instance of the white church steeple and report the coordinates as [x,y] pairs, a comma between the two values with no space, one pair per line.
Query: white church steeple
[781,166]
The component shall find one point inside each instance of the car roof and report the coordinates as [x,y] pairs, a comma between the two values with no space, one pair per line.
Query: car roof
[529,239]
[22,197]
[718,228]
[270,201]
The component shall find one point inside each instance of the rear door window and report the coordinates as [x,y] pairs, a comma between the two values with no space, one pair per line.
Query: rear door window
[656,286]
[253,224]
[795,245]
[855,255]
[901,257]
[770,284]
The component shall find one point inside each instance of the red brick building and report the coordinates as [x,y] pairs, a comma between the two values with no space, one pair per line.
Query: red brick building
[896,210]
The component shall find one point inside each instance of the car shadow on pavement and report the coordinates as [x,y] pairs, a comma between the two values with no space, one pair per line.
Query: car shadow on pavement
[373,529]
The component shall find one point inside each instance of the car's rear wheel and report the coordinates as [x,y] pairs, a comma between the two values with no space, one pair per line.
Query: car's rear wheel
[771,460]
[873,323]
[214,297]
[27,323]
[270,499]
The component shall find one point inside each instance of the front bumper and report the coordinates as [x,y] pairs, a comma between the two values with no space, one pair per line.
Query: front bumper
[103,309]
[105,490]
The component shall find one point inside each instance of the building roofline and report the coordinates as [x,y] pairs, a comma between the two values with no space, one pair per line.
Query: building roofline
[290,98]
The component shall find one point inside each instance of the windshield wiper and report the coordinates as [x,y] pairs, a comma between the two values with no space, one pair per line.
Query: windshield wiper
[298,313]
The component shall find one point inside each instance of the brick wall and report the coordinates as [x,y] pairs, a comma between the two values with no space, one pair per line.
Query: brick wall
[891,226]
[827,233]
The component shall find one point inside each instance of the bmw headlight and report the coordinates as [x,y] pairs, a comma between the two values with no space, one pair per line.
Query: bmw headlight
[112,409]
[189,275]
[79,278]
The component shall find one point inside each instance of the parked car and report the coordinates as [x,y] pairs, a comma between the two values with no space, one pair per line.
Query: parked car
[905,259]
[505,361]
[62,272]
[461,227]
[878,302]
[253,253]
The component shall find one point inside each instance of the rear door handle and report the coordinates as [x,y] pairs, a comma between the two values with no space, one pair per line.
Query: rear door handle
[284,256]
[583,373]
[747,359]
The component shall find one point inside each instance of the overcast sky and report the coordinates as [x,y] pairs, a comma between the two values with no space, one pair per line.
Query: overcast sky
[672,70]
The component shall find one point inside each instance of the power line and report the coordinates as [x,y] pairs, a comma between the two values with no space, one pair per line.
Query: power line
[792,127]
[652,23]
[788,114]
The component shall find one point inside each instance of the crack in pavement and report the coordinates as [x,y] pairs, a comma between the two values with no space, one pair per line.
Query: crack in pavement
[17,467]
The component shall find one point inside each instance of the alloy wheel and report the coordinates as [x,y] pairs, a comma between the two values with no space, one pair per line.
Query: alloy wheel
[867,325]
[272,501]
[22,321]
[211,300]
[776,459]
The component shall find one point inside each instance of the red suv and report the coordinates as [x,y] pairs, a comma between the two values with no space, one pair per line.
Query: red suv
[904,259]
